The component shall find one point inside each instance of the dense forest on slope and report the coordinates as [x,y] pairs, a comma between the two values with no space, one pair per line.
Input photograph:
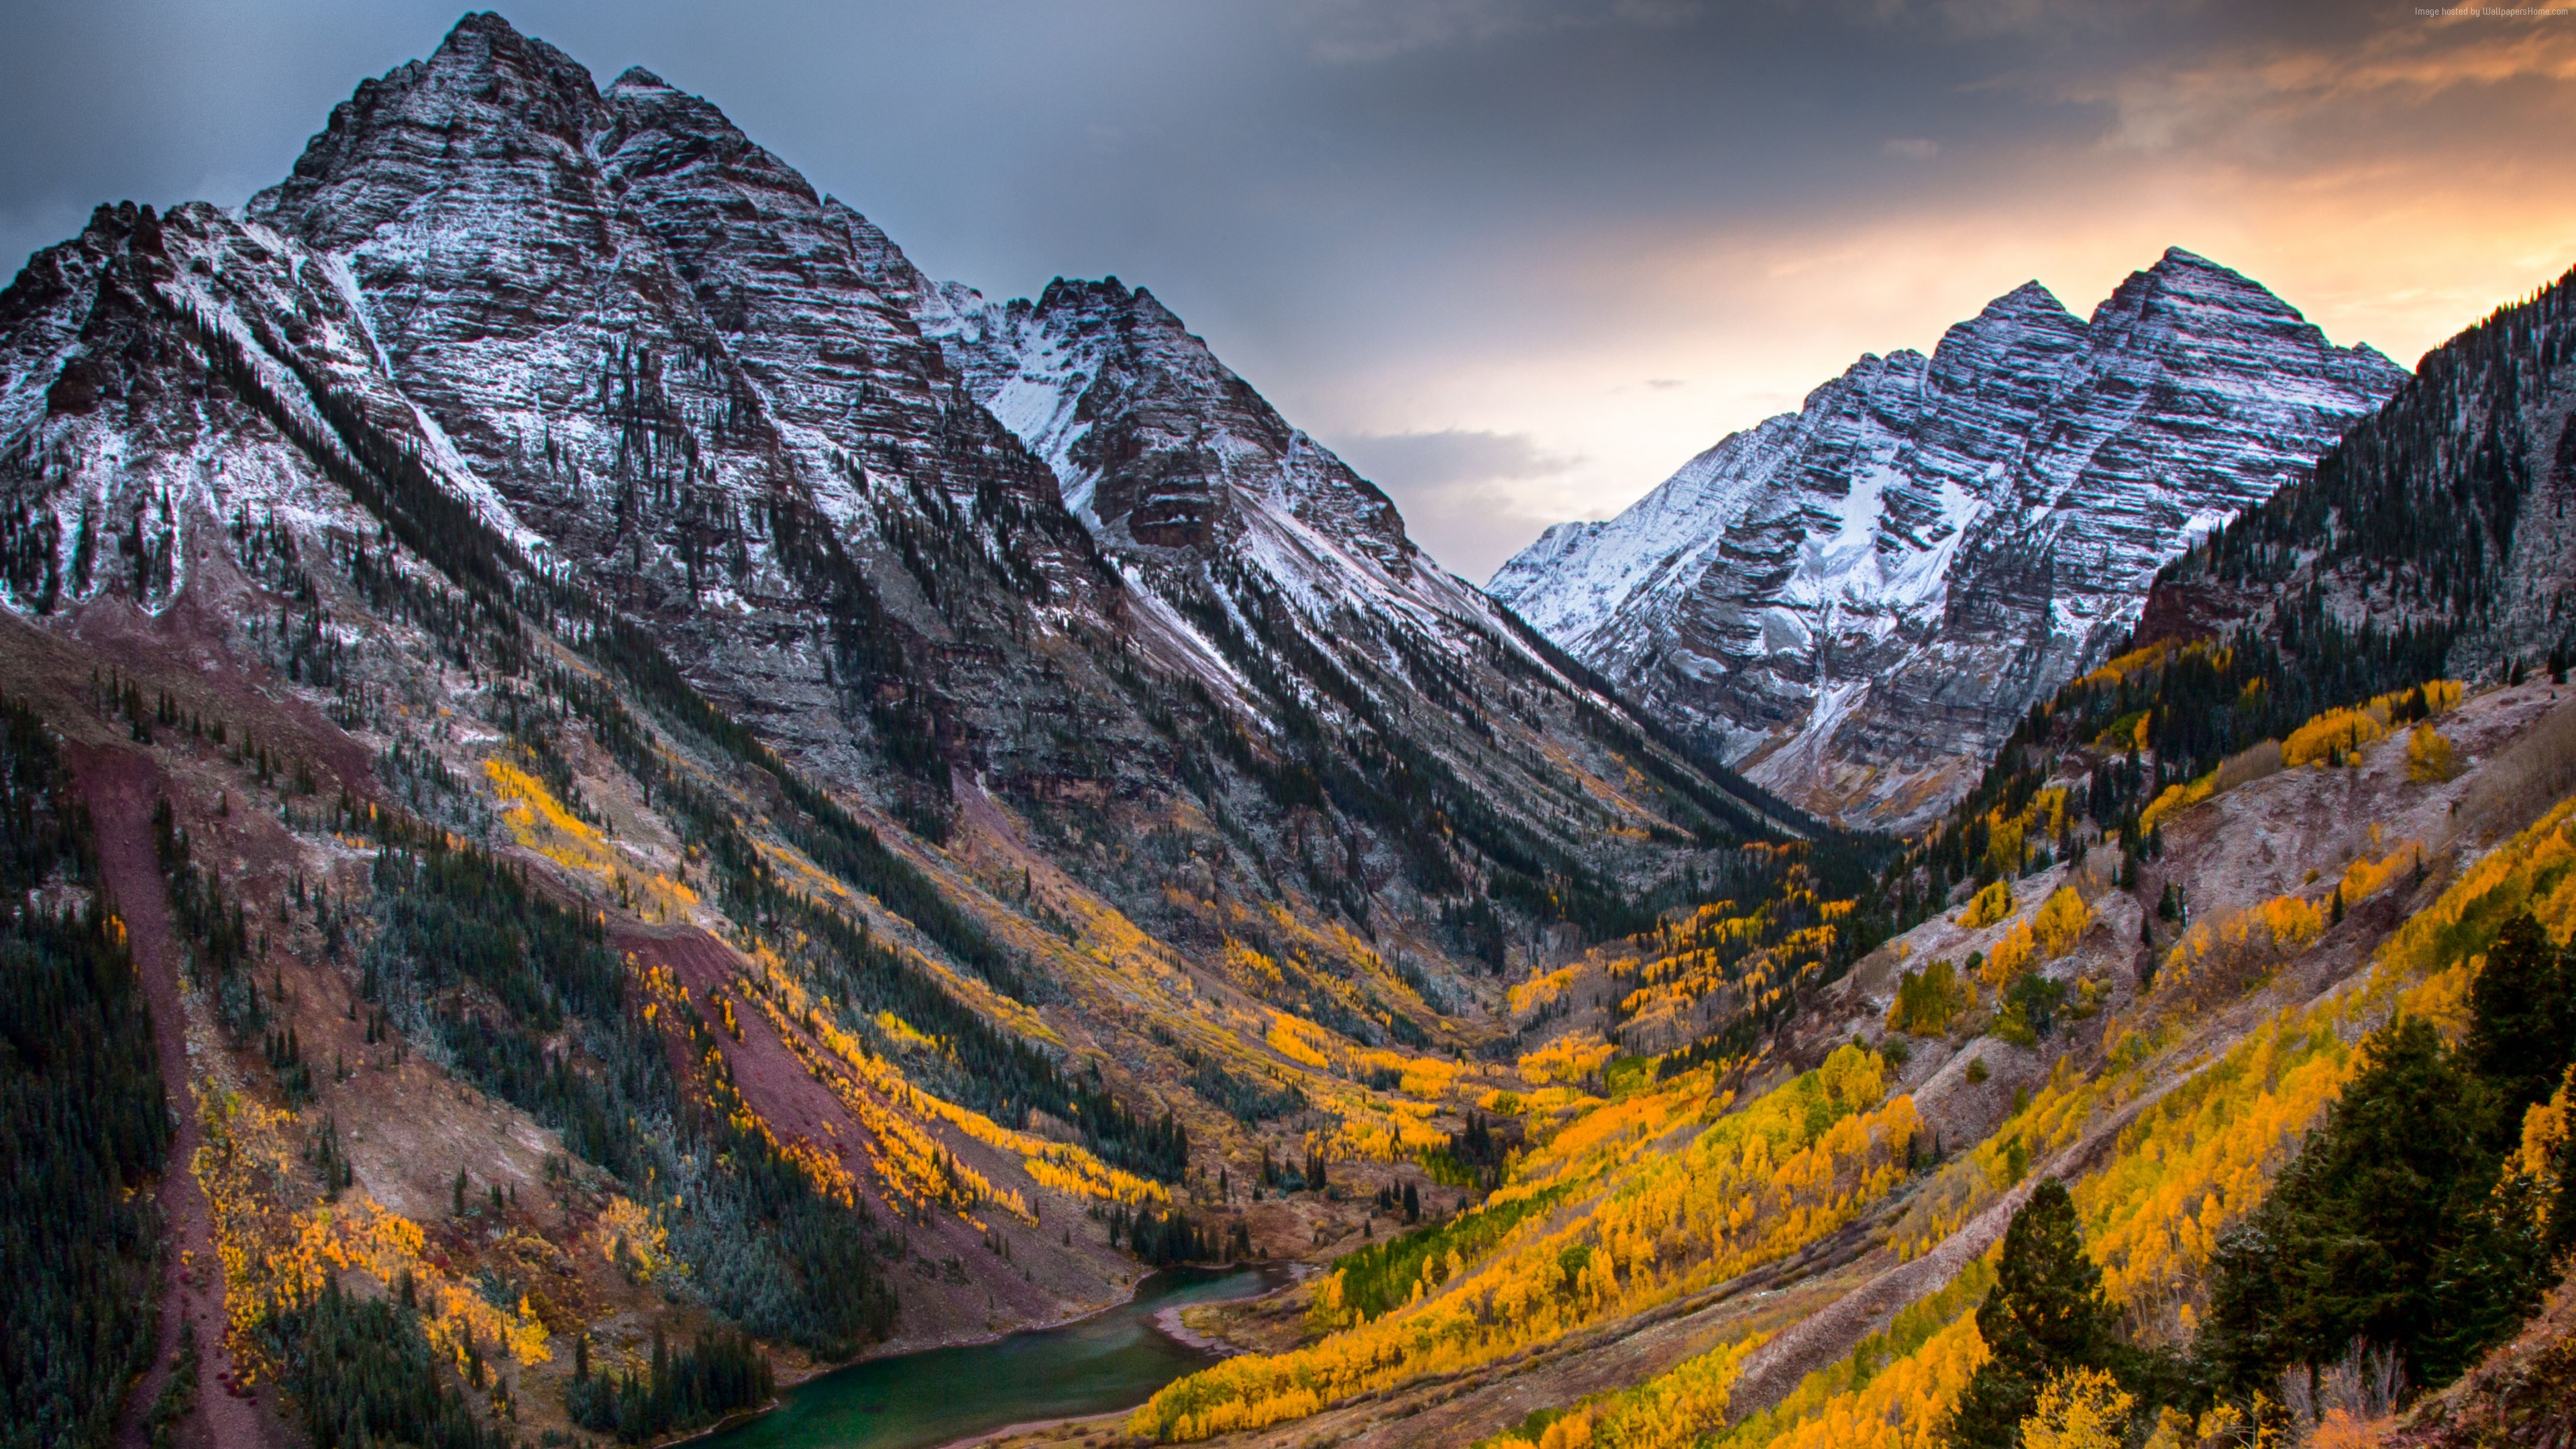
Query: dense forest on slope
[82,1110]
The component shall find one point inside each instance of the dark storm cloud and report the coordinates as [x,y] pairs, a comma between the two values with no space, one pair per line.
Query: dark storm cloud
[1480,221]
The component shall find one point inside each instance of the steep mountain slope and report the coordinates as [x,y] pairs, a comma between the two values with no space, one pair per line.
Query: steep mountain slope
[672,819]
[1791,1256]
[2444,515]
[1245,529]
[1858,600]
[2175,927]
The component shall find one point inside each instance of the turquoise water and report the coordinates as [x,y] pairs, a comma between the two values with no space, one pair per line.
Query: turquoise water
[1114,1359]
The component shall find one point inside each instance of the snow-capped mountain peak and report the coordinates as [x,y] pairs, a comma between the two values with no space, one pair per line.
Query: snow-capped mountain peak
[1857,599]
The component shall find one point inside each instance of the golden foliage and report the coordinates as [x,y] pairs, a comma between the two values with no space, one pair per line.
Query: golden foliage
[1672,1410]
[2176,798]
[910,1165]
[2545,1128]
[2536,870]
[2220,958]
[276,1258]
[455,1315]
[1299,1040]
[2082,1408]
[1754,1186]
[1542,990]
[2201,1158]
[1991,905]
[2127,664]
[2335,733]
[2430,760]
[1572,1057]
[2341,731]
[2365,878]
[539,821]
[903,1034]
[1871,1400]
[2050,932]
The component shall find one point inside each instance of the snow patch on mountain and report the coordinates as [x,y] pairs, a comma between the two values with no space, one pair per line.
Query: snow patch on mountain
[1856,600]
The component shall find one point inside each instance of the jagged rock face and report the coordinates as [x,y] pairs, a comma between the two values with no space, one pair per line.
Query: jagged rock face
[660,346]
[665,371]
[1243,528]
[1158,443]
[1857,600]
[2444,515]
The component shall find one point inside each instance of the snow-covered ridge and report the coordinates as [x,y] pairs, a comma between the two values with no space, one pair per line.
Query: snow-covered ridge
[1177,465]
[1857,599]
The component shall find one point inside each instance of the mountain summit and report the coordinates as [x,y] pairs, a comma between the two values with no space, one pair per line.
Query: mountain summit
[1856,601]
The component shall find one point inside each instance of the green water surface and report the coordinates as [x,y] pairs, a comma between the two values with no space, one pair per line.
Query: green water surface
[1114,1359]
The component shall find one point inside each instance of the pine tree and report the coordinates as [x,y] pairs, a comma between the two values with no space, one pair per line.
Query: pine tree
[2384,1230]
[2519,1017]
[2046,1316]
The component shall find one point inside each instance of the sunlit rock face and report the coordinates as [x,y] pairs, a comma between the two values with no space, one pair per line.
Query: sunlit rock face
[1855,601]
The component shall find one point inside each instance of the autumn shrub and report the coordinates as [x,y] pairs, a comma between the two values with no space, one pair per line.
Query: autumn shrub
[2365,877]
[2332,735]
[1573,1057]
[2430,760]
[2247,766]
[2051,932]
[2083,1408]
[2177,798]
[1990,905]
[1930,1001]
[2216,960]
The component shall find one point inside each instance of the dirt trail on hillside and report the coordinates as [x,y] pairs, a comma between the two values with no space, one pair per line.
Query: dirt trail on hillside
[121,787]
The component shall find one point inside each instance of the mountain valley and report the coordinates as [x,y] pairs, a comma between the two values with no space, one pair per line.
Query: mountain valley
[615,799]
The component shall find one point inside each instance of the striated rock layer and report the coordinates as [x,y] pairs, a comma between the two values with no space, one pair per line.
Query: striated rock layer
[2437,527]
[1855,601]
[934,548]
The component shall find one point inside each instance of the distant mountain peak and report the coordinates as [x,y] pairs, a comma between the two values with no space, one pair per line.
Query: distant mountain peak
[1856,600]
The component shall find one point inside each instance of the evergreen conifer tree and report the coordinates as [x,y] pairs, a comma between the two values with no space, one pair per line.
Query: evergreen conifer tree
[2045,1316]
[2385,1230]
[2519,1018]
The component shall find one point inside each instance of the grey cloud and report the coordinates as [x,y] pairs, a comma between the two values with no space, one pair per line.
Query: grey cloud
[1449,456]
[1455,488]
[1360,31]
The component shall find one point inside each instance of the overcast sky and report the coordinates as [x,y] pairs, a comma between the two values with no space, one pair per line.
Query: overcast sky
[1515,259]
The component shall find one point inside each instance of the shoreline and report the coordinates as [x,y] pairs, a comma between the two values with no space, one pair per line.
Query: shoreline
[1165,1321]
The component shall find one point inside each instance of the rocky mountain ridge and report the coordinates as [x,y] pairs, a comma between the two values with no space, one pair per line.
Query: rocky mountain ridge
[817,842]
[1856,601]
[2441,520]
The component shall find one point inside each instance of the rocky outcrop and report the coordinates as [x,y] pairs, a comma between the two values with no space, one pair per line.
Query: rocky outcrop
[1857,600]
